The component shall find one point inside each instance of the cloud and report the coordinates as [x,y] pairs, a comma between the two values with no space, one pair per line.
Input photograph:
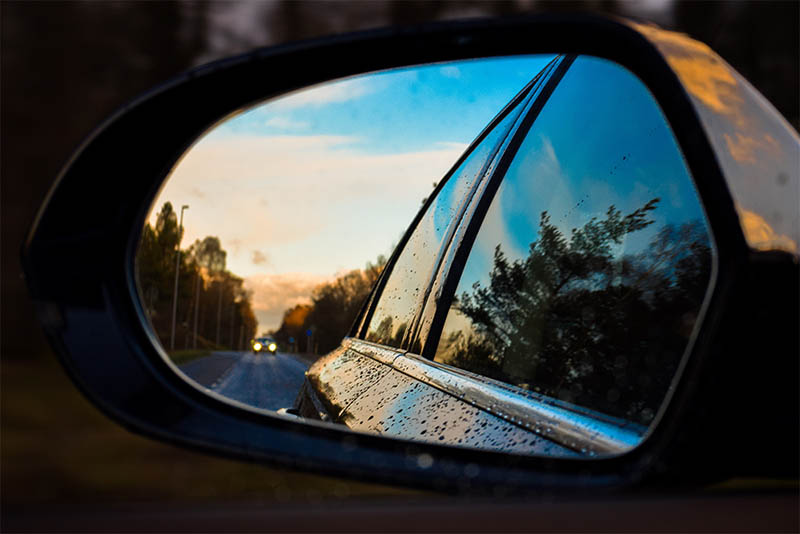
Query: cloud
[273,294]
[326,94]
[674,195]
[513,216]
[450,72]
[285,123]
[760,235]
[747,149]
[706,78]
[235,245]
[259,257]
[452,145]
[298,199]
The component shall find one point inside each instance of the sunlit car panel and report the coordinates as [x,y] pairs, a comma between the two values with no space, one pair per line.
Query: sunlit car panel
[757,148]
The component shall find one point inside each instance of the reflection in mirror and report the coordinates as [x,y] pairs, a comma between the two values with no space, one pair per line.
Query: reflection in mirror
[568,314]
[292,208]
[588,273]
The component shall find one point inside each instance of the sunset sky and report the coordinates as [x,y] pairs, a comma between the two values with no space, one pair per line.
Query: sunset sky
[322,181]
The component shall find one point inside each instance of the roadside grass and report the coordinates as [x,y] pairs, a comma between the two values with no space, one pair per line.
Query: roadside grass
[55,447]
[179,357]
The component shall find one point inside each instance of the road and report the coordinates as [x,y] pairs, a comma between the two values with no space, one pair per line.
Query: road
[269,381]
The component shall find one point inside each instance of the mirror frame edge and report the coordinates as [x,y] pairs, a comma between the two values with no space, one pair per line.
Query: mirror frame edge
[195,418]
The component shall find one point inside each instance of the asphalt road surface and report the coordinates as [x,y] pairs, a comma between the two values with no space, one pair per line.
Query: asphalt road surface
[264,380]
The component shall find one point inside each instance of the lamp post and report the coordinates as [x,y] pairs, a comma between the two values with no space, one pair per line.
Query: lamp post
[196,305]
[177,271]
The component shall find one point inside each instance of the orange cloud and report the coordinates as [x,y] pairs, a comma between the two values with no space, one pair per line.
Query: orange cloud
[302,200]
[760,235]
[743,148]
[273,294]
[259,258]
[703,74]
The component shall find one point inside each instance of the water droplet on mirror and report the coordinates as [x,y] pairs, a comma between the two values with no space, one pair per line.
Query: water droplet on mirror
[425,461]
[471,470]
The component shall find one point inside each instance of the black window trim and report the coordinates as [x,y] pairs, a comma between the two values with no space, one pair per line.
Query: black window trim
[462,250]
[362,322]
[489,167]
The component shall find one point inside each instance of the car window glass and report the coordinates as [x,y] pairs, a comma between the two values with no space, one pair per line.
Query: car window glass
[587,276]
[412,271]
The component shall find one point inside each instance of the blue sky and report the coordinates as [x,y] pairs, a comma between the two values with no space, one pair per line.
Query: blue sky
[600,140]
[323,180]
[403,110]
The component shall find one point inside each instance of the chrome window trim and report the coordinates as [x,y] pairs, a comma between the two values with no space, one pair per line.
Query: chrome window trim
[577,428]
[421,323]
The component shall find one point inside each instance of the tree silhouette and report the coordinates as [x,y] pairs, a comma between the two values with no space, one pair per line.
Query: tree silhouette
[291,333]
[156,257]
[209,255]
[208,295]
[574,322]
[333,309]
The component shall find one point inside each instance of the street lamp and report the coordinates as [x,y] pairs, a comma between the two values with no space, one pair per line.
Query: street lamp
[177,270]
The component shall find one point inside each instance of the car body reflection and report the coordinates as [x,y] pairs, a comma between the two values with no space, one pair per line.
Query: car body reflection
[562,288]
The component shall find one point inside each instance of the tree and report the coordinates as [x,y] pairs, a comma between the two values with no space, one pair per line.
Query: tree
[209,255]
[333,309]
[156,259]
[292,329]
[575,322]
[204,284]
[167,231]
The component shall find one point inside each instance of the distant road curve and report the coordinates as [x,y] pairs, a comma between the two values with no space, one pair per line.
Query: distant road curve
[268,381]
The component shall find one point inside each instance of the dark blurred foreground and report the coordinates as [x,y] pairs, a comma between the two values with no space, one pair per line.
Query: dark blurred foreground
[68,65]
[56,447]
[645,513]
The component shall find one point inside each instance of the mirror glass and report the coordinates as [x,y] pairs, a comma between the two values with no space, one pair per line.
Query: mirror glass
[551,256]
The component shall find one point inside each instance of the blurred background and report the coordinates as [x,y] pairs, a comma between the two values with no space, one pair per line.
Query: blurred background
[67,65]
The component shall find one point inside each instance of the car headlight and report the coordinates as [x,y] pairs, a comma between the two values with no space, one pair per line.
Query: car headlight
[257,346]
[272,347]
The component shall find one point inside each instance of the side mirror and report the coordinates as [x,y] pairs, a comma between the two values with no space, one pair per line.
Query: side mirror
[570,308]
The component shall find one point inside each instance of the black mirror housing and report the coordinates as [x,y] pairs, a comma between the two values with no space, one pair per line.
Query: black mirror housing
[92,318]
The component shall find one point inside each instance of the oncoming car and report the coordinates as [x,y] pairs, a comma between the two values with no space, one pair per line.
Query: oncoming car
[264,344]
